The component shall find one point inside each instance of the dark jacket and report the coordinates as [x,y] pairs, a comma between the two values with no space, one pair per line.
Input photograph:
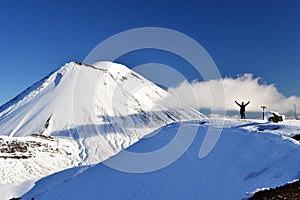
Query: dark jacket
[242,106]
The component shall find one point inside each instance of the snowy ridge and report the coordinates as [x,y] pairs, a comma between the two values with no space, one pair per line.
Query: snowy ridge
[103,108]
[242,161]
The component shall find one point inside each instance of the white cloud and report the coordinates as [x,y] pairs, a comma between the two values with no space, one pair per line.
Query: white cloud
[242,88]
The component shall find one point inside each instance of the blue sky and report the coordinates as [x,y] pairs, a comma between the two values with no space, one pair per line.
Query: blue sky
[259,37]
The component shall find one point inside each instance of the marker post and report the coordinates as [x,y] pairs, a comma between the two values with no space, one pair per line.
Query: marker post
[295,110]
[263,111]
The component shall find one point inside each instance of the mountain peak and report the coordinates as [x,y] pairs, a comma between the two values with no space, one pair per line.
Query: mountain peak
[104,108]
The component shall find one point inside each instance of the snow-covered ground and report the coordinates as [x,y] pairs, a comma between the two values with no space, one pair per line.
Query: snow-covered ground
[26,158]
[243,160]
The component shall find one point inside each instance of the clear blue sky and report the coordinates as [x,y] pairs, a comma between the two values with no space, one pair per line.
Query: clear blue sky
[261,37]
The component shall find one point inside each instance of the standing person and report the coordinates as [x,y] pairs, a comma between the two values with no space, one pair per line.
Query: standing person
[242,109]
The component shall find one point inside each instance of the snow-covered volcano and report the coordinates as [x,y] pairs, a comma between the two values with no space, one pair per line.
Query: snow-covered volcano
[104,108]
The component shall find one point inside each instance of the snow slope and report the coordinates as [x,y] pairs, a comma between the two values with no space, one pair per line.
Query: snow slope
[242,161]
[103,108]
[27,158]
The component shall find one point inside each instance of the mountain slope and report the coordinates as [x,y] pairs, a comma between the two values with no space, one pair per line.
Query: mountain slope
[104,108]
[25,158]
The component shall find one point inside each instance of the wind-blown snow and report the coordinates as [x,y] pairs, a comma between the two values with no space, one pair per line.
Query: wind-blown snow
[257,92]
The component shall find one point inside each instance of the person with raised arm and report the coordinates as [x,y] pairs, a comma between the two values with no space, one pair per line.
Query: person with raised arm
[242,109]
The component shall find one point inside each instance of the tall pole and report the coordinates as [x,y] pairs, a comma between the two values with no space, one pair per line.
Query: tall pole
[263,111]
[295,110]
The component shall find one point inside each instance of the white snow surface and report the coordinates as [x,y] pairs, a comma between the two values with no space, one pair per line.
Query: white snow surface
[242,161]
[92,112]
[37,157]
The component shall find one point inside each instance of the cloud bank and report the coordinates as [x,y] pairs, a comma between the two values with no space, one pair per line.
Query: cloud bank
[208,94]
